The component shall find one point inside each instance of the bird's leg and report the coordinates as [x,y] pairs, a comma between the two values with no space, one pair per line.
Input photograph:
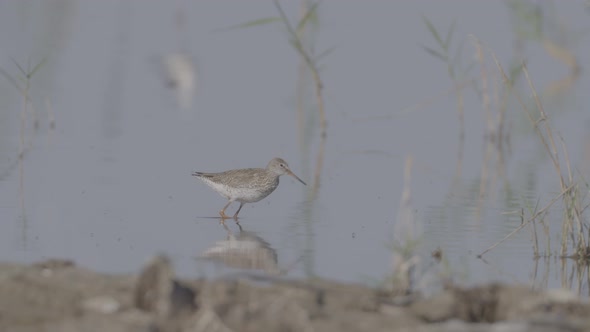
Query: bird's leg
[222,212]
[236,215]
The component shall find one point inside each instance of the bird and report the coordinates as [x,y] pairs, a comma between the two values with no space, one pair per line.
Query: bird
[246,185]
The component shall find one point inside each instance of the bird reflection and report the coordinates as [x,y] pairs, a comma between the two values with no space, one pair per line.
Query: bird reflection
[246,250]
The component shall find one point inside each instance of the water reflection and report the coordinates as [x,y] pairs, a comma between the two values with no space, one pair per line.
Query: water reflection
[244,250]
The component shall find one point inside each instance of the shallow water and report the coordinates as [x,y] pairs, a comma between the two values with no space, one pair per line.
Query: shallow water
[110,186]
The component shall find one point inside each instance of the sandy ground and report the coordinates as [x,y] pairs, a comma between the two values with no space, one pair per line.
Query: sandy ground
[59,296]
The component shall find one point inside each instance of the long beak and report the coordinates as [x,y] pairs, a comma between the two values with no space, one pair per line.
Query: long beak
[295,176]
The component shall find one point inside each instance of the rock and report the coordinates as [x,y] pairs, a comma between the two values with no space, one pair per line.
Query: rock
[156,291]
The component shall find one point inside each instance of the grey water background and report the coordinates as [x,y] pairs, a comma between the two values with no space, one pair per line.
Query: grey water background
[110,186]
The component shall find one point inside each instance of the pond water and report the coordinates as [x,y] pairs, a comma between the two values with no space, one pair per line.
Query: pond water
[110,185]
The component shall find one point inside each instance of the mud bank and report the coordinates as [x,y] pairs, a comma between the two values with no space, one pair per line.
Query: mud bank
[59,296]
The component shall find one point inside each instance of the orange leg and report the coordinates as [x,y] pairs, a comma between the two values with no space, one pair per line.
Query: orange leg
[222,212]
[236,215]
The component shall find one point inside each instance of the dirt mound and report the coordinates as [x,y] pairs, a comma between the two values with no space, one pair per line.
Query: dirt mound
[59,296]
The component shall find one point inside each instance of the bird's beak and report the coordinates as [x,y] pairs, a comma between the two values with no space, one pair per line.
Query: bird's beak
[295,176]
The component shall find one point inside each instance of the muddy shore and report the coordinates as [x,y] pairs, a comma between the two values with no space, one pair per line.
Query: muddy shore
[59,296]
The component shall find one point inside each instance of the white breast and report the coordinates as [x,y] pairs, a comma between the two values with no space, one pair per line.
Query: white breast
[244,195]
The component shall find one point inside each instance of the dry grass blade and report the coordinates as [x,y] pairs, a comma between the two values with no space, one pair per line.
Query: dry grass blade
[37,67]
[11,79]
[296,42]
[405,238]
[550,146]
[311,12]
[434,53]
[435,34]
[455,72]
[250,24]
[522,225]
[22,71]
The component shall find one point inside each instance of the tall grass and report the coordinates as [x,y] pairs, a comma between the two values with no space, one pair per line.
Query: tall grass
[451,56]
[296,36]
[311,62]
[573,240]
[450,53]
[533,22]
[22,83]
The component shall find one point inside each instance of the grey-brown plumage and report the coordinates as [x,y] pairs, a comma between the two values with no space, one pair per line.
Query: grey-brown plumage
[247,185]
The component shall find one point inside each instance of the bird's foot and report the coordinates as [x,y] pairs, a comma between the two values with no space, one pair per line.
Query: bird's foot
[223,215]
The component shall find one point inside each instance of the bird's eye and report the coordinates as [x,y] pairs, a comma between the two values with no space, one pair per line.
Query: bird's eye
[282,165]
